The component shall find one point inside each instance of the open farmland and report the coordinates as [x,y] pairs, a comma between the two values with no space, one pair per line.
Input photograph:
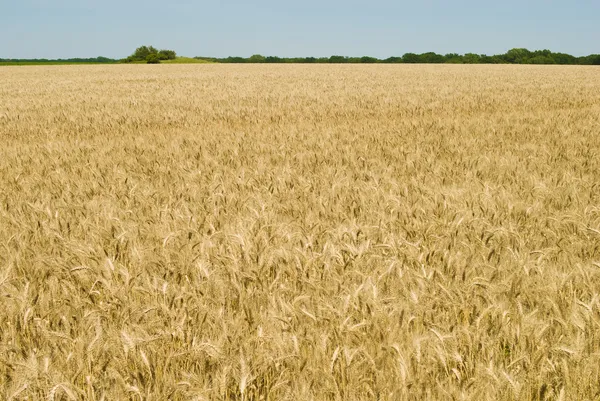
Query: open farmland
[291,232]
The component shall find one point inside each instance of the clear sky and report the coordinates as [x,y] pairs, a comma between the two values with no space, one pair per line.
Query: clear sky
[220,28]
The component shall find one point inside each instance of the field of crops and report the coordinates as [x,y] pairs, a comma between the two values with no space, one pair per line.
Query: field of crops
[289,232]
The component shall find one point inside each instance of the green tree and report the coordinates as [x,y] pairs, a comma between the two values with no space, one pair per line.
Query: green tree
[257,58]
[432,58]
[273,59]
[167,55]
[393,60]
[411,58]
[562,58]
[142,52]
[539,60]
[517,55]
[491,60]
[368,60]
[471,58]
[153,58]
[592,59]
[235,60]
[453,58]
[337,59]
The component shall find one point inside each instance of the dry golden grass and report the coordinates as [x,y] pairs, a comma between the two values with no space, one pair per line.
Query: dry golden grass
[223,232]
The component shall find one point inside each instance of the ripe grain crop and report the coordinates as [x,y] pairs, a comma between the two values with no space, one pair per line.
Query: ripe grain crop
[221,232]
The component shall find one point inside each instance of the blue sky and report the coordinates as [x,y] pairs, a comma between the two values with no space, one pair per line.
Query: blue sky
[220,28]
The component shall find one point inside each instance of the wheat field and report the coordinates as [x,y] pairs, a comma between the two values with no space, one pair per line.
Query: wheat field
[290,232]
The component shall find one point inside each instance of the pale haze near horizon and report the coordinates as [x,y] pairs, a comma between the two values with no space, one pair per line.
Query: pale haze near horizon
[221,28]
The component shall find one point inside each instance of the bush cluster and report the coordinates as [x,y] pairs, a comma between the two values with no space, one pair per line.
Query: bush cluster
[151,55]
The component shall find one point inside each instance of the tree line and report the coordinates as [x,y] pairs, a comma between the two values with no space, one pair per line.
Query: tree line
[93,60]
[151,55]
[513,56]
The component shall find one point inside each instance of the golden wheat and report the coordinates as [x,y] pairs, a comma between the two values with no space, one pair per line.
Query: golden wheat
[223,232]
